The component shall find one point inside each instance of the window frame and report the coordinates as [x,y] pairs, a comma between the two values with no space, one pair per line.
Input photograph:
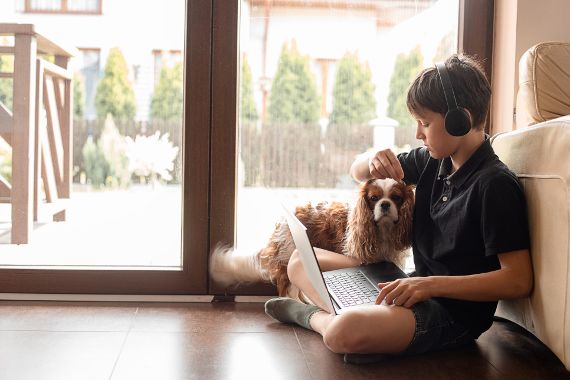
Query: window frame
[475,37]
[28,8]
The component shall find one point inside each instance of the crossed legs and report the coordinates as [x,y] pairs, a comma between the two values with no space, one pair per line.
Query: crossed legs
[367,329]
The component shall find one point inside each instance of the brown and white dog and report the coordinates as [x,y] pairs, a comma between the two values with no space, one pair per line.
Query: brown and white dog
[378,228]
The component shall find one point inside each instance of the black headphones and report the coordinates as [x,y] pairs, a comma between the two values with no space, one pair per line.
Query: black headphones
[457,121]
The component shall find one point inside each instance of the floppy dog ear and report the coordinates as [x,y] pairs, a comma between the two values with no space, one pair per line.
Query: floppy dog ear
[403,229]
[361,231]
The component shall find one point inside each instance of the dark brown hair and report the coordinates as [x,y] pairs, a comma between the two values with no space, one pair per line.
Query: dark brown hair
[470,85]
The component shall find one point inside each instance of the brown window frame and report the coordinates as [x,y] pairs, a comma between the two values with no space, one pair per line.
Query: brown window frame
[475,38]
[63,9]
[210,138]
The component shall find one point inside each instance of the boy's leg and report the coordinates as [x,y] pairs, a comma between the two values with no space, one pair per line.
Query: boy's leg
[375,328]
[368,329]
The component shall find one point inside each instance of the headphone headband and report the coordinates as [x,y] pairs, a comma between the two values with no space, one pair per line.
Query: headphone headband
[457,121]
[447,87]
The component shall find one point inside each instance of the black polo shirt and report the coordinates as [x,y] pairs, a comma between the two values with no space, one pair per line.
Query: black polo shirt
[463,220]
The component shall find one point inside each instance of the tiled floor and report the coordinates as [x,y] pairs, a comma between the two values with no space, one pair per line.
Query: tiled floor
[226,341]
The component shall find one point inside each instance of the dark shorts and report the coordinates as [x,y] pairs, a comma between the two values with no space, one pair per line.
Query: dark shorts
[436,329]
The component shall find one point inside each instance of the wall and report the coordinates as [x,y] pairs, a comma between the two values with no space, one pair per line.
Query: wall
[520,24]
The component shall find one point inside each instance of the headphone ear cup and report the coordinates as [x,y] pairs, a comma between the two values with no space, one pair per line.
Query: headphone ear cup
[457,122]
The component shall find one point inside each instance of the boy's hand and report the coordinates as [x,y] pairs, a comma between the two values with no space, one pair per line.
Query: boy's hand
[385,164]
[404,291]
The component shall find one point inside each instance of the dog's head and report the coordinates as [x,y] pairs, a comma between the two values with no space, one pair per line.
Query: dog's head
[381,221]
[388,201]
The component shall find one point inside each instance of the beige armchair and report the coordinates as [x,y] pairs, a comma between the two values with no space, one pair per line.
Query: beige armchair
[539,152]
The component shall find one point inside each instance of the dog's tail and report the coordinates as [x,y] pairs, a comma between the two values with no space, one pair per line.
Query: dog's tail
[229,267]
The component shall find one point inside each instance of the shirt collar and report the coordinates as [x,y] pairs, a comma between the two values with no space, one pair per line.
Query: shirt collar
[460,176]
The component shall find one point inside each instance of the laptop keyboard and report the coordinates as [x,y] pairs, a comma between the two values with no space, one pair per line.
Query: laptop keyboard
[351,288]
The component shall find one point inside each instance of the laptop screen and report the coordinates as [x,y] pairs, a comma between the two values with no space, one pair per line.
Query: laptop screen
[308,258]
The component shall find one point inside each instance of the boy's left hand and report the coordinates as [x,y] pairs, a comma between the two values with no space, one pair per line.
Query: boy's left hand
[404,291]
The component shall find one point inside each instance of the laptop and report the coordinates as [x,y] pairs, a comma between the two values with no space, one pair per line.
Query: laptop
[344,288]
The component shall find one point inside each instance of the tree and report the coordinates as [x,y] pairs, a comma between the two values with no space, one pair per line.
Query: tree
[6,84]
[293,97]
[247,110]
[167,100]
[353,93]
[78,97]
[115,93]
[106,161]
[406,68]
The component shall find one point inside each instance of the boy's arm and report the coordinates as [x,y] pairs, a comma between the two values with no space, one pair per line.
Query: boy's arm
[331,260]
[382,164]
[513,280]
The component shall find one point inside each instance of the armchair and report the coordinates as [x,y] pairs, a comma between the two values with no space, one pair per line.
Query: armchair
[538,151]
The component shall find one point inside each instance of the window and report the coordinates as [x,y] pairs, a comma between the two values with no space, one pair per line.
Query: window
[64,6]
[337,75]
[89,67]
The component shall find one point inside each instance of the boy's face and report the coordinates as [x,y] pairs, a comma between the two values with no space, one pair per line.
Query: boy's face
[431,130]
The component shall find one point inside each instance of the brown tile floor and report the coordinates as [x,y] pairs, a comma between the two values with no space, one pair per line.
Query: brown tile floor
[226,341]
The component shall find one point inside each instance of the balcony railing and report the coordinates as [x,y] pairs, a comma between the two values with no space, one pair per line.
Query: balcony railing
[38,128]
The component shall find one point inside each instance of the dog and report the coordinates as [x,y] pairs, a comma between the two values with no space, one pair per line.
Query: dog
[378,228]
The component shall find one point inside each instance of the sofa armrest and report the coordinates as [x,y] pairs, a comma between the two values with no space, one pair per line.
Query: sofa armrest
[539,156]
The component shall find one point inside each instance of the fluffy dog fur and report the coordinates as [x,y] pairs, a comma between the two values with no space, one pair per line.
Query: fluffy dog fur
[377,228]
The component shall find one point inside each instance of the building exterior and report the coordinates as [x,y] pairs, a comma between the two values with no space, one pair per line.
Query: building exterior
[150,34]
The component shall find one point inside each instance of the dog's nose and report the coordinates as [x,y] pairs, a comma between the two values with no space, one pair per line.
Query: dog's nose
[385,206]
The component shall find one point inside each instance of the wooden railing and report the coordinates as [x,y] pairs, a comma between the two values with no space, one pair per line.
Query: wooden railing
[38,128]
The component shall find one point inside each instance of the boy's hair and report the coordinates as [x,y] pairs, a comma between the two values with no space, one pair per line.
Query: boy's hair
[470,85]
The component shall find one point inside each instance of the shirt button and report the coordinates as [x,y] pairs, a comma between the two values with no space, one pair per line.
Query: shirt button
[444,199]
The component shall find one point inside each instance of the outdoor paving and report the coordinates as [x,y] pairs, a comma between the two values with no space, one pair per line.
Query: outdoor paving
[141,226]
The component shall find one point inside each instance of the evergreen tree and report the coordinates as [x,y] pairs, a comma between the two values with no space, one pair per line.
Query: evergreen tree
[167,100]
[353,93]
[293,97]
[6,93]
[78,97]
[115,93]
[406,68]
[247,110]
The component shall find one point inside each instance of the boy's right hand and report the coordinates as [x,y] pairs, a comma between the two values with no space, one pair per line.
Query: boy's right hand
[385,164]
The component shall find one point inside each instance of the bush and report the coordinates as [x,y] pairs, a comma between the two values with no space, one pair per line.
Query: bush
[6,92]
[353,93]
[406,68]
[115,95]
[151,158]
[78,96]
[247,110]
[105,161]
[293,97]
[167,100]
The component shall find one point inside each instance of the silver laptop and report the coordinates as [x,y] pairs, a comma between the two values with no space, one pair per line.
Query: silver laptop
[343,288]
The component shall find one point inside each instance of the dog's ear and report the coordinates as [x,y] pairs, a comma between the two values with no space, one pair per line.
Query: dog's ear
[403,231]
[361,231]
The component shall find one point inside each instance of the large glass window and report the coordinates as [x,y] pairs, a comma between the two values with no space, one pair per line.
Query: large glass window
[321,82]
[125,207]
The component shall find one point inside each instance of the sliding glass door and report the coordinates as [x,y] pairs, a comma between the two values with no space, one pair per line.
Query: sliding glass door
[135,220]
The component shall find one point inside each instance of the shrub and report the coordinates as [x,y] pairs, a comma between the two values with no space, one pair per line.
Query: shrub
[105,161]
[353,93]
[167,100]
[293,97]
[247,110]
[407,66]
[115,93]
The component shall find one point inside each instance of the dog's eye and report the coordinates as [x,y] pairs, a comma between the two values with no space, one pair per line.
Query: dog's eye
[374,198]
[396,198]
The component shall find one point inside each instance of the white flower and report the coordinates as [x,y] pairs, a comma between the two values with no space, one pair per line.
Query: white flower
[151,155]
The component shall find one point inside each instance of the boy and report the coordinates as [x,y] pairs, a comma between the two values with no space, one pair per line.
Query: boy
[470,234]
